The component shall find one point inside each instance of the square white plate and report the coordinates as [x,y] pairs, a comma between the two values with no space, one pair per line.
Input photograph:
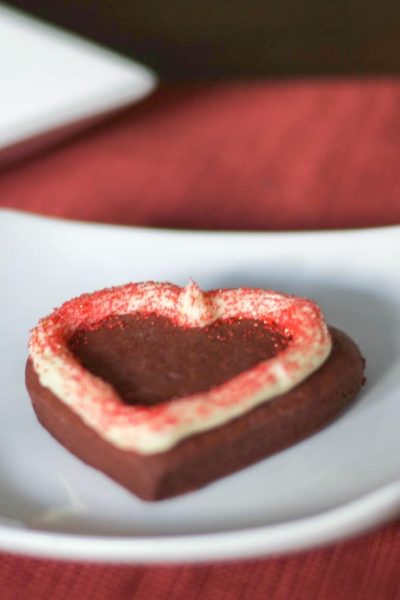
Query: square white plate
[340,481]
[50,78]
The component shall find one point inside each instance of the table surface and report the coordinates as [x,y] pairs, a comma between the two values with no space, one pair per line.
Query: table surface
[310,154]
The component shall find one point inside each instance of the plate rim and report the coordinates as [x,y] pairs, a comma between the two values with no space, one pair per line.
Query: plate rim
[19,212]
[355,517]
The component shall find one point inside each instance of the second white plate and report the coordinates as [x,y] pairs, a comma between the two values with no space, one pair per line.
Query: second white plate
[50,78]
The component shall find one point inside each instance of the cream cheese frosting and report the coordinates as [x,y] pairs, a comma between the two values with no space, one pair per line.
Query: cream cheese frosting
[153,429]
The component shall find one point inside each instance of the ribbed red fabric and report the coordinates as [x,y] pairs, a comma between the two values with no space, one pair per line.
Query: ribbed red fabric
[244,155]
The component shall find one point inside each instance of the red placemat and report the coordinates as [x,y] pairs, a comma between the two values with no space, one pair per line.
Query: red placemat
[364,569]
[244,156]
[288,155]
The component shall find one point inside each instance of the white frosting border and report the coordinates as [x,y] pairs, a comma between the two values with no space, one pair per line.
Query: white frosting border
[149,430]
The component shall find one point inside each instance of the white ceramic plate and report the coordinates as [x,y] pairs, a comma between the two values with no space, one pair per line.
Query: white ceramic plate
[50,78]
[343,480]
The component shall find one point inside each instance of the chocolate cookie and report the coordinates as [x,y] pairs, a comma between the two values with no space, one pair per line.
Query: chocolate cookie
[168,374]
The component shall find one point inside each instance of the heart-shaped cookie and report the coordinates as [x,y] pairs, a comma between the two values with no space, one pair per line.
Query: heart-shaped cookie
[166,388]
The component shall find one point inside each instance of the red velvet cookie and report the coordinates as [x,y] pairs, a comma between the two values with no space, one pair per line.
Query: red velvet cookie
[165,389]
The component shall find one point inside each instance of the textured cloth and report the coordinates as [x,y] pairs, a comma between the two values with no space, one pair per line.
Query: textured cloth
[364,569]
[243,156]
[283,155]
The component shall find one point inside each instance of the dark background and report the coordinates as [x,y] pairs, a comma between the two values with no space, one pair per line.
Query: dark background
[205,39]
